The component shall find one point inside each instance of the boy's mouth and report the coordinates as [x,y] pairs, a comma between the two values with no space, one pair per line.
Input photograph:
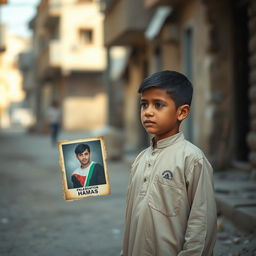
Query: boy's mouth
[148,122]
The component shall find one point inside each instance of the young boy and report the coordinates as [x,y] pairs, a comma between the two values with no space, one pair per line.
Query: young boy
[170,201]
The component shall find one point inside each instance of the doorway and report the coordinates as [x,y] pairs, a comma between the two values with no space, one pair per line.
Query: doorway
[241,80]
[188,70]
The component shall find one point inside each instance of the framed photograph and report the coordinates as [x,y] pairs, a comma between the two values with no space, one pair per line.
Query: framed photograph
[84,168]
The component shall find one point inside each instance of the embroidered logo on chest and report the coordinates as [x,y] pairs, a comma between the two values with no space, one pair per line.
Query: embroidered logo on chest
[167,175]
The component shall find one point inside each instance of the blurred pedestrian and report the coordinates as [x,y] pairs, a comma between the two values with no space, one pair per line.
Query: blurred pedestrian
[54,119]
[171,208]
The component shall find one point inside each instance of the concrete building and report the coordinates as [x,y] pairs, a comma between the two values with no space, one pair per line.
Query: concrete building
[69,60]
[11,91]
[124,26]
[213,43]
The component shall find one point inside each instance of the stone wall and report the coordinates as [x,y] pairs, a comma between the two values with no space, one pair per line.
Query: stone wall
[251,139]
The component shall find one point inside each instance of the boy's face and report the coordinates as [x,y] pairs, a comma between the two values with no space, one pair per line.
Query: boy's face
[159,114]
[84,158]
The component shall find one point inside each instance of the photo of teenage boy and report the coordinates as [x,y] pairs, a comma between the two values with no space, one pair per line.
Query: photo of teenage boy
[89,173]
[171,208]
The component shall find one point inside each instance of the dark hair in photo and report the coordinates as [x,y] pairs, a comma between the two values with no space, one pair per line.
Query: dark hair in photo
[174,83]
[81,148]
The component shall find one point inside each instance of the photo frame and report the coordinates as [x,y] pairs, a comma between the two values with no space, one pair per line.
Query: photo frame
[84,168]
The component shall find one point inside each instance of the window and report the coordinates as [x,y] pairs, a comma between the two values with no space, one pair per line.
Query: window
[86,36]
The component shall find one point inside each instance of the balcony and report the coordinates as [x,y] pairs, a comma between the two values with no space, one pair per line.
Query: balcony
[50,60]
[91,59]
[49,12]
[55,54]
[125,22]
[54,8]
[53,13]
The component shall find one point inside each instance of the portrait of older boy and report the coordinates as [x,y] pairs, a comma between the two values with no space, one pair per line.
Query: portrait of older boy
[88,173]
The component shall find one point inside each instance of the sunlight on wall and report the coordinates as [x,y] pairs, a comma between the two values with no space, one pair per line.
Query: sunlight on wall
[84,112]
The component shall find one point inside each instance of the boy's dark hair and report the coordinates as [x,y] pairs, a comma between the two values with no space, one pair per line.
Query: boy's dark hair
[81,148]
[174,83]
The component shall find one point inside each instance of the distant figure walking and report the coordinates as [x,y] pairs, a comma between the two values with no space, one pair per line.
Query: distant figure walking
[54,117]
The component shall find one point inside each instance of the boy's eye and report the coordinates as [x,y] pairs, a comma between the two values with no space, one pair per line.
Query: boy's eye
[159,105]
[143,105]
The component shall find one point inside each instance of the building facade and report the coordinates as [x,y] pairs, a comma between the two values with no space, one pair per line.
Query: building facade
[213,43]
[69,60]
[11,91]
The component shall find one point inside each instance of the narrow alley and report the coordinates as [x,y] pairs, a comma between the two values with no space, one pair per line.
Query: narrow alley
[35,219]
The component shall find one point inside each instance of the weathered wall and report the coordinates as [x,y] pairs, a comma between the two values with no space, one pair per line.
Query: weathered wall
[84,102]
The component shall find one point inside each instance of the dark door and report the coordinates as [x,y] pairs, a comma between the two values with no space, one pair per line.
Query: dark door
[241,85]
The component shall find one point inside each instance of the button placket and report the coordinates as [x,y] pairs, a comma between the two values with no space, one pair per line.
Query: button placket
[150,164]
[148,170]
[147,173]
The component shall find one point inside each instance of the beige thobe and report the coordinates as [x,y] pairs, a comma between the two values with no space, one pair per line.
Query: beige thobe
[171,208]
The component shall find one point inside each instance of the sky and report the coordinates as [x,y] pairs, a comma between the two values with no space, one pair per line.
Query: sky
[16,14]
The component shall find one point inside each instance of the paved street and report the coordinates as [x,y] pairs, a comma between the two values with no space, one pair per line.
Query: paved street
[35,219]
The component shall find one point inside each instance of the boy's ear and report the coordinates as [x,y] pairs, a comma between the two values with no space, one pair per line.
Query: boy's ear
[183,112]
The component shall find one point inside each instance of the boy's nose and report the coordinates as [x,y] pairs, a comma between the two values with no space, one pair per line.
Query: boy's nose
[149,111]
